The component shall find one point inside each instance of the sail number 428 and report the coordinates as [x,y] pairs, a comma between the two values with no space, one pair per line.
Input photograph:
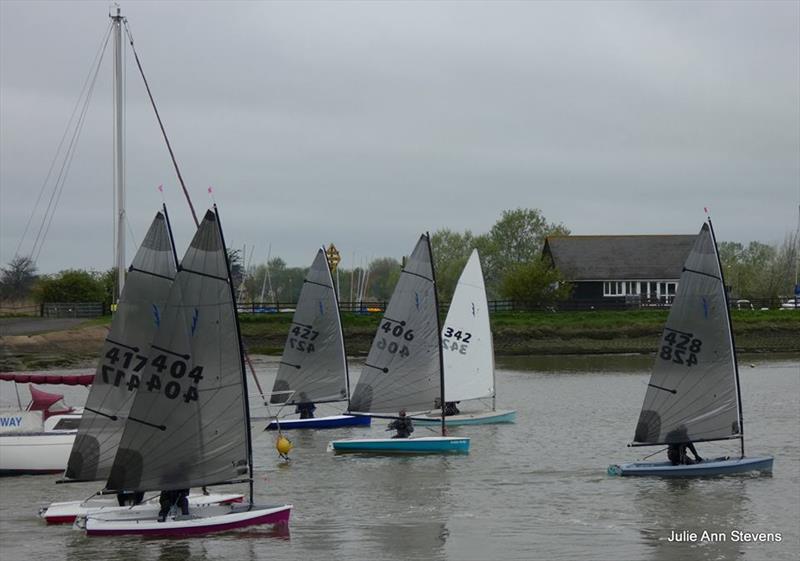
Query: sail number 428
[680,348]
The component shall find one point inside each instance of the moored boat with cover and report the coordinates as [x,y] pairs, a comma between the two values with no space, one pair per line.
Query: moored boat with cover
[189,425]
[313,368]
[404,371]
[694,393]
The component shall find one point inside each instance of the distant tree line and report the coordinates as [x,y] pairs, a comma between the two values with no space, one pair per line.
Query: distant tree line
[510,255]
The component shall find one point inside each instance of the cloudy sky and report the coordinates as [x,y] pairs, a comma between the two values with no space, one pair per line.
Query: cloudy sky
[366,123]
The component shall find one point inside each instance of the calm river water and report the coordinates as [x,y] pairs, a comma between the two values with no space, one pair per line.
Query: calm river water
[536,489]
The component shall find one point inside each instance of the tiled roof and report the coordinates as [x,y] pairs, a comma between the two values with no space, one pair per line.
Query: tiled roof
[583,258]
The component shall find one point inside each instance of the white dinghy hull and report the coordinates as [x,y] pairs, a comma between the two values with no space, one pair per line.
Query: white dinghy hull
[67,511]
[210,519]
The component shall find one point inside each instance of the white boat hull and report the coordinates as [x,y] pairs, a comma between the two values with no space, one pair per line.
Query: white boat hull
[66,512]
[210,519]
[35,453]
[469,418]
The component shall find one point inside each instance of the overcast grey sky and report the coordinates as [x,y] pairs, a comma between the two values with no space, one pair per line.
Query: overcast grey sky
[364,124]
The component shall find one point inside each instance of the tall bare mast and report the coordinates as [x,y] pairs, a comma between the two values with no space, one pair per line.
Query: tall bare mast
[119,171]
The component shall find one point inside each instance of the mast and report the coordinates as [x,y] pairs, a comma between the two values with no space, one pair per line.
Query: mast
[439,333]
[119,172]
[733,343]
[245,398]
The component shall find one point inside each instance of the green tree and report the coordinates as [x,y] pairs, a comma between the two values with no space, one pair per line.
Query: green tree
[383,276]
[517,238]
[72,285]
[535,283]
[17,278]
[451,250]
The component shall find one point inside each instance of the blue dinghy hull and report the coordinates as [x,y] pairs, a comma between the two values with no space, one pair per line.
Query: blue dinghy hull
[717,466]
[331,422]
[477,418]
[422,445]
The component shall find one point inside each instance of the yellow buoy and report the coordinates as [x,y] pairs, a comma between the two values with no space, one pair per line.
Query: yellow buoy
[283,445]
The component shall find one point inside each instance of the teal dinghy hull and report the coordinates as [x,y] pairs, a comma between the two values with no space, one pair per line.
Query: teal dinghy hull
[422,445]
[717,466]
[476,418]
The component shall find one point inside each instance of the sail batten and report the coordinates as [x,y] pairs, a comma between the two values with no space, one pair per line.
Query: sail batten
[123,356]
[693,391]
[313,367]
[403,369]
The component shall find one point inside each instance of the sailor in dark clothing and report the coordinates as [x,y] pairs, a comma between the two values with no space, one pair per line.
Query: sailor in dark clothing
[306,410]
[450,408]
[168,499]
[402,425]
[676,452]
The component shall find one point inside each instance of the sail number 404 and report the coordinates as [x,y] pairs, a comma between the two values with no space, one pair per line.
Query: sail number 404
[176,369]
[680,348]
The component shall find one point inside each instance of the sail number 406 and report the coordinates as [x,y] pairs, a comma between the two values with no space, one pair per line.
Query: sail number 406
[680,348]
[395,331]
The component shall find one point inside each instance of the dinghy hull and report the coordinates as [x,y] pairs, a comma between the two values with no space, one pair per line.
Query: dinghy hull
[424,445]
[477,418]
[331,422]
[706,468]
[207,521]
[66,512]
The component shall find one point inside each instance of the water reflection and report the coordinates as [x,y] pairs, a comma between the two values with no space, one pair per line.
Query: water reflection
[577,363]
[709,508]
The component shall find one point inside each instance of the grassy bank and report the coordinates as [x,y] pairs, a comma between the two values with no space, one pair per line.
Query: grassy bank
[520,333]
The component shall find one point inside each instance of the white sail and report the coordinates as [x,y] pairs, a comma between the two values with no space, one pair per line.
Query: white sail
[467,346]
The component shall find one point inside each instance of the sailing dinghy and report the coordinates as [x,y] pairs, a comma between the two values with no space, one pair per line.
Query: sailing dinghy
[694,393]
[404,369]
[313,368]
[189,425]
[468,352]
[119,376]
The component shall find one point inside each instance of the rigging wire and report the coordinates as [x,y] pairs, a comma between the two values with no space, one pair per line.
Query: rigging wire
[61,180]
[92,70]
[160,123]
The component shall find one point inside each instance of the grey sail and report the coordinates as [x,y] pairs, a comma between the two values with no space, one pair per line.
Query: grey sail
[124,355]
[313,366]
[403,368]
[188,424]
[693,390]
